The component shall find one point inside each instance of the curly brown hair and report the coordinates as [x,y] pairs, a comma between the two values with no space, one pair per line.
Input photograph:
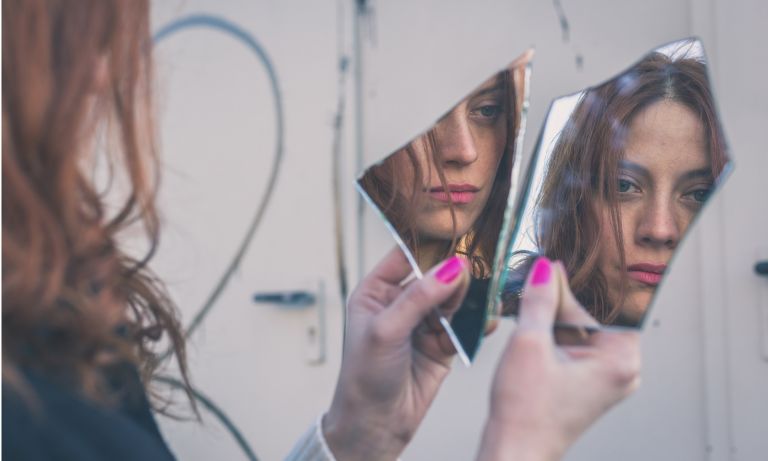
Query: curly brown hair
[74,302]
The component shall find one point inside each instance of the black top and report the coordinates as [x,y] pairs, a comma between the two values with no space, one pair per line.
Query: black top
[58,424]
[468,322]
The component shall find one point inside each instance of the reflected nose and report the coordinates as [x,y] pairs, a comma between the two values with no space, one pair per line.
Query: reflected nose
[659,225]
[455,142]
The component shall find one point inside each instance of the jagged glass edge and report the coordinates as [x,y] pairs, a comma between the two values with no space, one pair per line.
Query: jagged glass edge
[513,232]
[416,270]
[390,228]
[719,181]
[511,218]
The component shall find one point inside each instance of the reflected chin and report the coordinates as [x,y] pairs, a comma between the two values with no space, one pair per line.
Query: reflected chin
[442,228]
[635,306]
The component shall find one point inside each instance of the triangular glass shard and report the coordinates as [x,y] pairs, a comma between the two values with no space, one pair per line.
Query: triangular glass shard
[620,172]
[446,191]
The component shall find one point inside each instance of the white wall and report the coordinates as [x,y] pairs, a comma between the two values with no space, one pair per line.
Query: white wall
[218,139]
[703,374]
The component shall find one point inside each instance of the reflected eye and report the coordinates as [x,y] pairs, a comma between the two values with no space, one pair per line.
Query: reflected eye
[487,113]
[626,186]
[490,111]
[700,195]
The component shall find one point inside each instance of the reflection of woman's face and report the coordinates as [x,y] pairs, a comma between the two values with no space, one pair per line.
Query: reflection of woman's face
[470,141]
[663,179]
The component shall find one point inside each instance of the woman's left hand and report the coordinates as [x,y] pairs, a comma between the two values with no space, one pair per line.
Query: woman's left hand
[396,355]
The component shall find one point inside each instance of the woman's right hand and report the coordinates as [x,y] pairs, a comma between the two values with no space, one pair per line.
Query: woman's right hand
[396,356]
[545,395]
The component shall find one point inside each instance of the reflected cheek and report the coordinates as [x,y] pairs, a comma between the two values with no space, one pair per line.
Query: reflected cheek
[608,253]
[493,153]
[629,217]
[686,216]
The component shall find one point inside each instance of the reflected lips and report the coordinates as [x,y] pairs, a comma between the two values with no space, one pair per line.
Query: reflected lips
[649,274]
[457,193]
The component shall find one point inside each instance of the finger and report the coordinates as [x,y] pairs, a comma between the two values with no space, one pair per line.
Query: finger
[392,269]
[382,284]
[573,335]
[538,306]
[448,308]
[410,278]
[571,311]
[432,330]
[621,355]
[421,297]
[447,346]
[574,326]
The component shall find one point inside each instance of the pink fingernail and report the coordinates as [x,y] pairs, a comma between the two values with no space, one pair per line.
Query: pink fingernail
[542,271]
[450,270]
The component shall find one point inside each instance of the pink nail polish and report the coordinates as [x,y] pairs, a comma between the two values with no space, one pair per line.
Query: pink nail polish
[449,270]
[542,271]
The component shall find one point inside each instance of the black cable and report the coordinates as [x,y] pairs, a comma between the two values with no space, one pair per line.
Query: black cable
[216,411]
[222,25]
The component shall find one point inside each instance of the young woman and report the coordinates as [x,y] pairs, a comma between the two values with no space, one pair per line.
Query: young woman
[629,172]
[81,318]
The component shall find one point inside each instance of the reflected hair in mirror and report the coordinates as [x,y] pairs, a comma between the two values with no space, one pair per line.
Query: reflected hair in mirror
[583,173]
[396,185]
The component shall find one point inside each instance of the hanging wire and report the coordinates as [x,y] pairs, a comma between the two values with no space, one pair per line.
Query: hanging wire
[227,27]
[216,411]
[222,25]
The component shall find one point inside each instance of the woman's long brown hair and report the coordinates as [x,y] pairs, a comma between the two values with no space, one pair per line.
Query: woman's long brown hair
[74,303]
[583,172]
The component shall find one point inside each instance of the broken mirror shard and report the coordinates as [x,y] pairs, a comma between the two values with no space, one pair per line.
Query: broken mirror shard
[619,174]
[445,192]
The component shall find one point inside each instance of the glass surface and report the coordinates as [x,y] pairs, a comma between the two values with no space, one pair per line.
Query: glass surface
[619,174]
[446,191]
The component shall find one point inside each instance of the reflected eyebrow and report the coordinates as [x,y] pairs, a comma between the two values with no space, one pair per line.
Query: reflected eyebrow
[705,172]
[492,89]
[634,167]
[496,87]
[696,174]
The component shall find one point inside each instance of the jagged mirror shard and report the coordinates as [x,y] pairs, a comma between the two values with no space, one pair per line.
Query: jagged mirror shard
[446,191]
[620,172]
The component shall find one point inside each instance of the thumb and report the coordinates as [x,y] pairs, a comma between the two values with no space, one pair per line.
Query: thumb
[540,297]
[570,310]
[446,282]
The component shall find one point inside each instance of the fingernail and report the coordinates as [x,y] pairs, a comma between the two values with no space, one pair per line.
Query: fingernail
[542,271]
[450,270]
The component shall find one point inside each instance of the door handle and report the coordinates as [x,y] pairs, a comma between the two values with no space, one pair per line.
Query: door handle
[300,300]
[296,299]
[761,268]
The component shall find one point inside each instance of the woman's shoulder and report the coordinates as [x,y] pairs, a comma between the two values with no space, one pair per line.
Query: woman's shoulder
[44,420]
